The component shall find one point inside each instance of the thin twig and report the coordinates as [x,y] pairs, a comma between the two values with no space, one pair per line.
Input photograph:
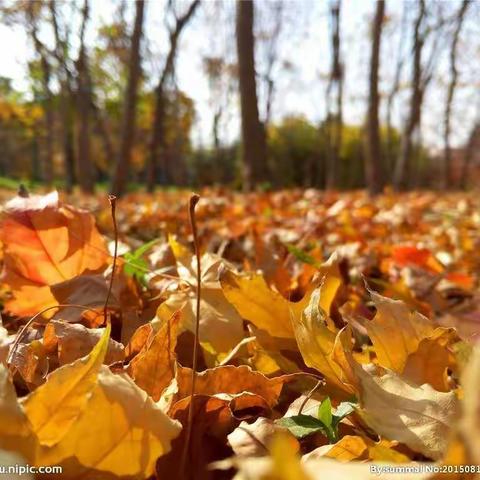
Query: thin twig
[113,201]
[309,395]
[188,433]
[22,331]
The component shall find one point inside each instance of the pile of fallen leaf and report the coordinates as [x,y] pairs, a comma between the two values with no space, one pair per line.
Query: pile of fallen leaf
[336,333]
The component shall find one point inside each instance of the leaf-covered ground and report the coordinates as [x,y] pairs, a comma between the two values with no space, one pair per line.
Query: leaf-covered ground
[337,336]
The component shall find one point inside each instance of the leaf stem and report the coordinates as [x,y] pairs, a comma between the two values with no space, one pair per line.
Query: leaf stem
[188,433]
[309,395]
[113,202]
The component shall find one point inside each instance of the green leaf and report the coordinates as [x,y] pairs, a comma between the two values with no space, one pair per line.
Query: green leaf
[325,412]
[302,425]
[135,266]
[342,411]
[301,255]
[144,248]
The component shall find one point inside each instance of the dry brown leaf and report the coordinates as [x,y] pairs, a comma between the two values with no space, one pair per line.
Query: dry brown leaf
[469,423]
[418,416]
[230,380]
[253,439]
[154,367]
[74,341]
[91,291]
[221,328]
[213,421]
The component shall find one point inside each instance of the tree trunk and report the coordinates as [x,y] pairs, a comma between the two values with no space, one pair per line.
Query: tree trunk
[67,97]
[373,160]
[390,163]
[451,92]
[85,169]
[122,166]
[158,168]
[334,123]
[403,166]
[467,160]
[47,167]
[253,133]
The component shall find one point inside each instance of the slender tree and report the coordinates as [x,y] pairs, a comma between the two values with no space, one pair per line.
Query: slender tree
[272,42]
[156,164]
[373,160]
[451,91]
[86,175]
[122,166]
[334,121]
[67,94]
[253,132]
[45,63]
[402,168]
[394,90]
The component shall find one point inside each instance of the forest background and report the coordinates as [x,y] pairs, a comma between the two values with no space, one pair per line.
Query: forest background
[267,94]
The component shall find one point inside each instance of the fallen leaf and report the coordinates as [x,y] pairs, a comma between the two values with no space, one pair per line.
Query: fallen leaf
[396,331]
[46,243]
[230,380]
[431,361]
[122,431]
[352,447]
[91,291]
[469,423]
[258,303]
[74,341]
[418,416]
[13,421]
[154,367]
[5,341]
[316,344]
[254,439]
[221,328]
[54,406]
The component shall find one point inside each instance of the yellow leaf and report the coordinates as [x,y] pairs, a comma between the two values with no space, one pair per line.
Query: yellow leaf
[396,331]
[331,282]
[285,460]
[469,424]
[430,362]
[121,432]
[54,406]
[353,447]
[316,344]
[153,368]
[255,301]
[12,418]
